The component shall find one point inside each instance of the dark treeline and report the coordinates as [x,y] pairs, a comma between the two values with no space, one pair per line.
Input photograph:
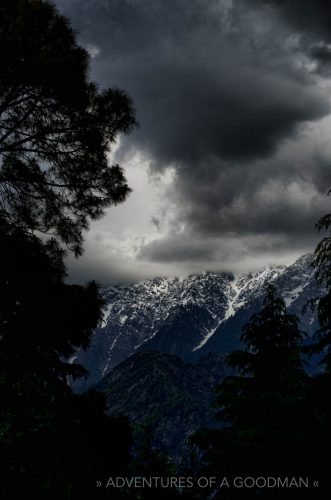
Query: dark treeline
[55,131]
[56,128]
[275,418]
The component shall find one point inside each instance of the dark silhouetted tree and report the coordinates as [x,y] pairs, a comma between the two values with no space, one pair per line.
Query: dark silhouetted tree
[319,397]
[322,264]
[263,407]
[53,444]
[56,127]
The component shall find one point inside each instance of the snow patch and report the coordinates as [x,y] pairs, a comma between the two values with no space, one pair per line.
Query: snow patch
[228,313]
[106,314]
[294,294]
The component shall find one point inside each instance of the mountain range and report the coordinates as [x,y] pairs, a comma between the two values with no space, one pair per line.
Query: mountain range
[160,350]
[190,317]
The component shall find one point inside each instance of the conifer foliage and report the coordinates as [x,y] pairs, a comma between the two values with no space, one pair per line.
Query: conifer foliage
[261,407]
[56,127]
[322,264]
[319,396]
[52,443]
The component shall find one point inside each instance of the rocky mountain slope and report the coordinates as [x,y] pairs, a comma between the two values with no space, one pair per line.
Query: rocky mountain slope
[190,317]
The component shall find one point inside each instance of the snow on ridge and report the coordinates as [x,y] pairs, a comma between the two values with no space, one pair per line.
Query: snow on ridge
[135,313]
[106,313]
[152,301]
[141,308]
[294,294]
[243,286]
[208,335]
[228,313]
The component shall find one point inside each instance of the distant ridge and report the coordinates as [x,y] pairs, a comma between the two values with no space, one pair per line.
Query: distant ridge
[190,317]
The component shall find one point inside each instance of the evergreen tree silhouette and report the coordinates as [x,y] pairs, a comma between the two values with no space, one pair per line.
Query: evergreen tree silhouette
[56,127]
[262,408]
[150,463]
[53,444]
[322,264]
[319,396]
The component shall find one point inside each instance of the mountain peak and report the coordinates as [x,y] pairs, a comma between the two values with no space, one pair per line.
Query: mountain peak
[198,314]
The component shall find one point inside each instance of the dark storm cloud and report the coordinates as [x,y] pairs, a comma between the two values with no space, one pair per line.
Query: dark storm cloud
[272,204]
[203,79]
[310,16]
[231,254]
[312,20]
[267,196]
[321,52]
[179,249]
[221,88]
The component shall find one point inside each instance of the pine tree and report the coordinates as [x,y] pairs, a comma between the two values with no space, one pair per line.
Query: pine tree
[262,406]
[52,442]
[56,129]
[322,264]
[319,396]
[56,126]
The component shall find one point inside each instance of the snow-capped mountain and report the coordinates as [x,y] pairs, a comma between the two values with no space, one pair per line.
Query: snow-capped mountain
[190,317]
[295,284]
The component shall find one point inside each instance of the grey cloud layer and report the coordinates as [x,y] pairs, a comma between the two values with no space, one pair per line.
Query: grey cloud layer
[312,17]
[312,20]
[206,78]
[220,87]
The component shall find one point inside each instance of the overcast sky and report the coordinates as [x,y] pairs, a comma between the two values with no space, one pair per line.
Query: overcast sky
[231,164]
